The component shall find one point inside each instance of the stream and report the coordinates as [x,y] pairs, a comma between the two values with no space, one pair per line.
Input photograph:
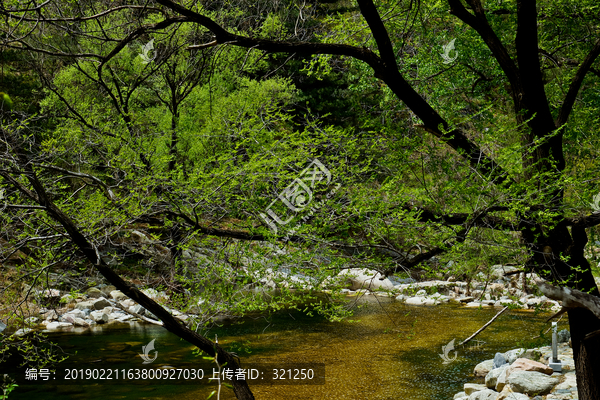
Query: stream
[387,351]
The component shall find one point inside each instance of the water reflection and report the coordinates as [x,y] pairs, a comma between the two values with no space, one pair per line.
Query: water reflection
[390,351]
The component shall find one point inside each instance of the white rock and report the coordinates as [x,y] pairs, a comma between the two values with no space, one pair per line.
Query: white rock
[117,295]
[99,317]
[471,388]
[508,395]
[475,304]
[501,381]
[57,325]
[486,394]
[531,382]
[492,377]
[22,332]
[513,354]
[362,278]
[483,368]
[108,310]
[114,315]
[79,322]
[420,301]
[127,303]
[138,309]
[75,313]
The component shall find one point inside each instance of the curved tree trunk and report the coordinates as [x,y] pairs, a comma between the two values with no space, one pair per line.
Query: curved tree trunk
[586,352]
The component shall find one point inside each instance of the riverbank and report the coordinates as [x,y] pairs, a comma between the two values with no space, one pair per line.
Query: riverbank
[101,304]
[387,351]
[521,374]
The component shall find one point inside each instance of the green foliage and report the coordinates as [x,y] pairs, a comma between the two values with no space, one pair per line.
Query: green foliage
[7,390]
[200,139]
[6,103]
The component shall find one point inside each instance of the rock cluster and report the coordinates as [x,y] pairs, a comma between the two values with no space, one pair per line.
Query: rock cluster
[99,305]
[495,290]
[525,375]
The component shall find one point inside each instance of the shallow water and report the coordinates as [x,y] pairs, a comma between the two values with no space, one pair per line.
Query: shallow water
[390,351]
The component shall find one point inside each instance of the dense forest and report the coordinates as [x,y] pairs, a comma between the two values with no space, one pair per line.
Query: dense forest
[210,148]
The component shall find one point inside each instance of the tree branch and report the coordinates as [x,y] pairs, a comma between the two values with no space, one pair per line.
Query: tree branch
[480,24]
[570,298]
[569,101]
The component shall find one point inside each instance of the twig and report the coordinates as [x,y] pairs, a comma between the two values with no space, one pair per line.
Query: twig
[548,320]
[483,327]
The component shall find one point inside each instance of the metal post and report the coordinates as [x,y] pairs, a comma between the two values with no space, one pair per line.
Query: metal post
[555,363]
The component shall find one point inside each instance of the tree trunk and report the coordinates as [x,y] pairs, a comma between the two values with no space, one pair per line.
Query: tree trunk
[582,321]
[586,352]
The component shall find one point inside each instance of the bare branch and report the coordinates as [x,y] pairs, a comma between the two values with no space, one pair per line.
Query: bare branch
[569,101]
[483,327]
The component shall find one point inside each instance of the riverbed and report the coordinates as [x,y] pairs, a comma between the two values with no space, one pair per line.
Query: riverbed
[388,350]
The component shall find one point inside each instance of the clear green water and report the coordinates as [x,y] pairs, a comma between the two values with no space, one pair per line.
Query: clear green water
[371,358]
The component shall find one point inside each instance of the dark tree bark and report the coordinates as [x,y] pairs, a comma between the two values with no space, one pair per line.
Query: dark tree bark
[530,105]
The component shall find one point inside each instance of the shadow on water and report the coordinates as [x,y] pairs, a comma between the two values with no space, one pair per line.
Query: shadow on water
[370,358]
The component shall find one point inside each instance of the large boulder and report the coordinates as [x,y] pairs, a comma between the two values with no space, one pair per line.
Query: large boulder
[84,305]
[501,380]
[531,382]
[101,303]
[525,364]
[492,377]
[500,360]
[483,368]
[499,271]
